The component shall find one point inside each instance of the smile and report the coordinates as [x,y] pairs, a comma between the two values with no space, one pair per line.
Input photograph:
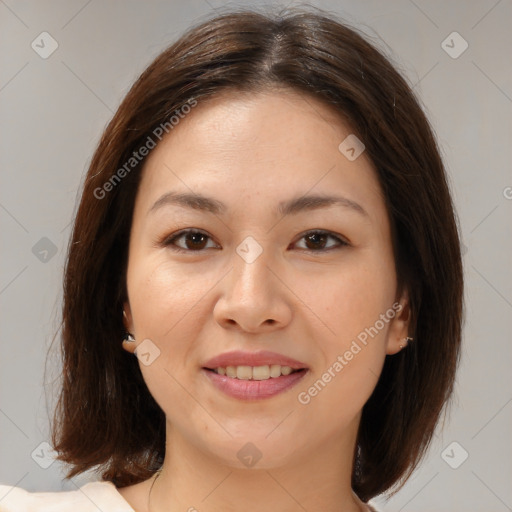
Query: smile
[253,375]
[264,372]
[254,387]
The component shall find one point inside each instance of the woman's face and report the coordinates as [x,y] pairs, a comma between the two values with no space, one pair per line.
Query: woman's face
[234,247]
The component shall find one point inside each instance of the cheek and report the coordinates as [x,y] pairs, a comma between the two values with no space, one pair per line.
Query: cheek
[168,311]
[333,398]
[163,297]
[352,299]
[357,305]
[358,309]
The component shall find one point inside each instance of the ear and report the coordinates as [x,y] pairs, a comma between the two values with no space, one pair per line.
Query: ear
[399,325]
[127,317]
[128,325]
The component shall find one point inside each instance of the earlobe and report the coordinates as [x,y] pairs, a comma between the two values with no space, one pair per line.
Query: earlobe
[129,343]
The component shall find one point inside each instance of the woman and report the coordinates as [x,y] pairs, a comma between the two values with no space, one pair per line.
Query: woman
[267,223]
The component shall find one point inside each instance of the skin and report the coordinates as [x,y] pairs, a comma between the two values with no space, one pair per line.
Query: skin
[251,152]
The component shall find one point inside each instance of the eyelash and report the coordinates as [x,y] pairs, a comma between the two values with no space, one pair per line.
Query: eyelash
[169,241]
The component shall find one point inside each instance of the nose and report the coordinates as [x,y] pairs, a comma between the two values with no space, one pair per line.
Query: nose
[252,298]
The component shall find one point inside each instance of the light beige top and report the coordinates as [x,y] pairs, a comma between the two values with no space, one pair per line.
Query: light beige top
[90,497]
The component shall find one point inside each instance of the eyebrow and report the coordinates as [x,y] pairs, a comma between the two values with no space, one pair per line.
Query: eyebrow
[289,207]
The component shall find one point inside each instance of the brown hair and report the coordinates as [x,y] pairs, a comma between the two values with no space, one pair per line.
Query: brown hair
[105,415]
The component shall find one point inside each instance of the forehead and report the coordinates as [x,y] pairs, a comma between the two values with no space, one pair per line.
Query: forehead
[265,145]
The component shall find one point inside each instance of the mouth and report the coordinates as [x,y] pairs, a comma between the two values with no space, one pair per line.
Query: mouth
[264,372]
[253,376]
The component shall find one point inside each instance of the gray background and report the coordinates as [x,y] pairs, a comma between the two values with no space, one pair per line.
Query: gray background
[53,111]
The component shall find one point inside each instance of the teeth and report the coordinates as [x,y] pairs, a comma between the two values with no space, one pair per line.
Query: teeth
[244,372]
[264,372]
[275,370]
[260,373]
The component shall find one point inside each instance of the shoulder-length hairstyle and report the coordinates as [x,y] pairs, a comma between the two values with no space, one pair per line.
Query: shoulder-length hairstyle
[105,417]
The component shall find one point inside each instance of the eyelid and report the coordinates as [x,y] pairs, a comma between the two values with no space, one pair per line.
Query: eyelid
[342,241]
[167,241]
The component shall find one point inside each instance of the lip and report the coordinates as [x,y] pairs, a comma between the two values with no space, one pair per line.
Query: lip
[253,389]
[241,358]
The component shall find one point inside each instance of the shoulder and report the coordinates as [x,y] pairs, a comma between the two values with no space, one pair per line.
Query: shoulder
[90,497]
[371,506]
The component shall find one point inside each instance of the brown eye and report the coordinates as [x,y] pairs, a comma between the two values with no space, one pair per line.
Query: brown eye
[191,240]
[316,241]
[195,240]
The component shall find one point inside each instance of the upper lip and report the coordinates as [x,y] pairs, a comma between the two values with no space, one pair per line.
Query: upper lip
[240,358]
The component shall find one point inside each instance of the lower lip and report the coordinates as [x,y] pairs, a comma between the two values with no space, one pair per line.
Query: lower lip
[254,389]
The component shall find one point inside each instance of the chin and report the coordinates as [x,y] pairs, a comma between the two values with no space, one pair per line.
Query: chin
[250,449]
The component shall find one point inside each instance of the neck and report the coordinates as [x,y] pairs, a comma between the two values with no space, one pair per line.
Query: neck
[311,479]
